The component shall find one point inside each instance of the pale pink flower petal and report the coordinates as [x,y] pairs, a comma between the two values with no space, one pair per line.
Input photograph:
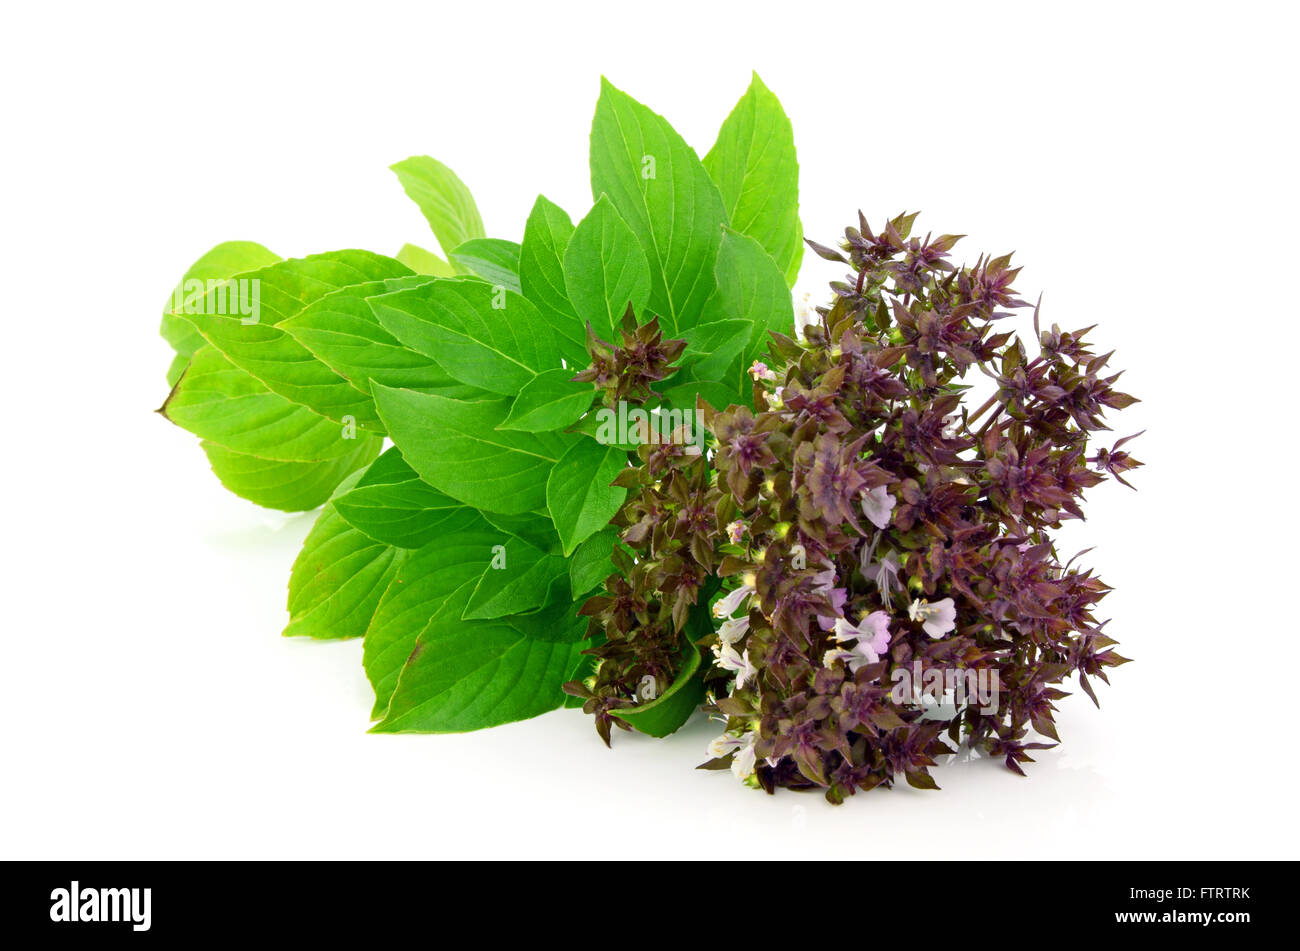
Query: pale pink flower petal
[878,506]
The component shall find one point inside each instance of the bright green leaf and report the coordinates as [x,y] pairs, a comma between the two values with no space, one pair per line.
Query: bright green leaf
[342,331]
[605,270]
[455,447]
[424,262]
[541,276]
[494,260]
[520,578]
[467,675]
[750,287]
[481,335]
[549,401]
[754,165]
[337,580]
[287,486]
[222,262]
[717,394]
[663,192]
[219,402]
[578,493]
[392,504]
[714,349]
[536,528]
[419,590]
[443,199]
[258,345]
[667,712]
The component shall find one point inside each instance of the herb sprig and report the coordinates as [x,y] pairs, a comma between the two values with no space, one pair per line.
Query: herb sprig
[605,462]
[462,552]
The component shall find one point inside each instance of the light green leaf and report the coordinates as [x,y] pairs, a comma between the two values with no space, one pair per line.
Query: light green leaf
[466,675]
[578,492]
[443,199]
[519,579]
[541,276]
[482,336]
[424,262]
[549,401]
[222,262]
[392,504]
[455,447]
[337,580]
[605,270]
[258,345]
[750,287]
[342,331]
[663,192]
[494,260]
[287,486]
[219,402]
[714,349]
[419,590]
[754,165]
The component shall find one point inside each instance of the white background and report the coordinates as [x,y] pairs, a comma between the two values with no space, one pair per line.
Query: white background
[1139,158]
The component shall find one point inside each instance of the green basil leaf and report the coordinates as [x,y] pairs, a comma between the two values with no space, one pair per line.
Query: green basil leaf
[222,262]
[754,165]
[578,492]
[603,425]
[591,563]
[536,528]
[716,393]
[342,331]
[392,504]
[715,349]
[424,262]
[419,590]
[520,578]
[541,276]
[455,446]
[481,335]
[549,401]
[467,675]
[750,287]
[443,199]
[287,486]
[494,260]
[255,343]
[338,579]
[605,270]
[663,192]
[219,402]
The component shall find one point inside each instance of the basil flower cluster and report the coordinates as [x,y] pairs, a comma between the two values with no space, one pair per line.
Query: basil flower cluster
[869,534]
